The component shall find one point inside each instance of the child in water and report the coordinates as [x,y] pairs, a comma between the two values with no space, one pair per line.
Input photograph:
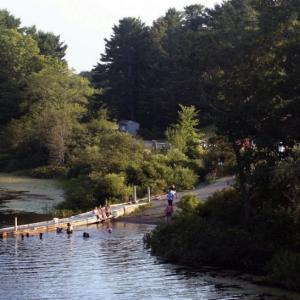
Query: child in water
[69,228]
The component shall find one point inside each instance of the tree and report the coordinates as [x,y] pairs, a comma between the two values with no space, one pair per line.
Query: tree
[185,135]
[48,43]
[56,102]
[8,21]
[19,57]
[255,84]
[121,71]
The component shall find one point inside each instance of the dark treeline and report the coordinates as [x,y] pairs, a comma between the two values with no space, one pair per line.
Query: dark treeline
[236,51]
[146,72]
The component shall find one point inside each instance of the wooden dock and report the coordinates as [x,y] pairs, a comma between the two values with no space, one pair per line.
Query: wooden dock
[77,220]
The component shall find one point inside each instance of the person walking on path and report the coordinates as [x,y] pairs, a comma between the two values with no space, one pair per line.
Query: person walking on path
[171,196]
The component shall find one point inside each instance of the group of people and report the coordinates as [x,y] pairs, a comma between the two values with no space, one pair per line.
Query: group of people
[69,229]
[102,213]
[171,196]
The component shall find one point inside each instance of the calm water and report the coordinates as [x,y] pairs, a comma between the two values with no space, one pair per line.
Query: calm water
[31,200]
[105,266]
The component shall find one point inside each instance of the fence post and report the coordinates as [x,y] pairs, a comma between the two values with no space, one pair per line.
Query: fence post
[149,194]
[134,194]
[16,224]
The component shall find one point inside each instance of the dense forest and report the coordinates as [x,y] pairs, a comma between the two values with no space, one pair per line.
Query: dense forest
[234,68]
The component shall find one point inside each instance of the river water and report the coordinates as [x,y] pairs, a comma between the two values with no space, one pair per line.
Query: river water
[31,200]
[105,266]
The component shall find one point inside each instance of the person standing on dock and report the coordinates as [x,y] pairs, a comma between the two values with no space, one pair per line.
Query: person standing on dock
[96,213]
[108,210]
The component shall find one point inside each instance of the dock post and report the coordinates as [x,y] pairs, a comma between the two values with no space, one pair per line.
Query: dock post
[16,224]
[149,194]
[134,194]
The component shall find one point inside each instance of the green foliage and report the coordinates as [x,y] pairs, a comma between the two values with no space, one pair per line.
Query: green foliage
[213,233]
[188,203]
[8,21]
[121,71]
[56,101]
[110,187]
[79,195]
[184,135]
[48,43]
[19,57]
[223,206]
[219,158]
[183,178]
[285,269]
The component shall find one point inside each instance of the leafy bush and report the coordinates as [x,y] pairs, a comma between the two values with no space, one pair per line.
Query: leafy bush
[224,207]
[188,203]
[175,157]
[110,187]
[156,185]
[183,178]
[79,195]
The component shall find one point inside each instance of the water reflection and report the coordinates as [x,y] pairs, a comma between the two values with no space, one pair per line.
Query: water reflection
[105,266]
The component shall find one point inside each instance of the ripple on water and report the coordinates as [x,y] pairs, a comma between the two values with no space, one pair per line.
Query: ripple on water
[105,266]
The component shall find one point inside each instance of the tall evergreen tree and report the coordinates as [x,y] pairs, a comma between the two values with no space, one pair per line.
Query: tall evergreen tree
[122,68]
[8,21]
[48,43]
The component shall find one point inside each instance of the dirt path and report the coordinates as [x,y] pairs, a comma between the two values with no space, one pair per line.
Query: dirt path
[155,213]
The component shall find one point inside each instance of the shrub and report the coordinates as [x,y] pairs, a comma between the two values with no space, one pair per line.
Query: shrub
[188,203]
[175,157]
[79,195]
[110,187]
[224,207]
[284,269]
[156,185]
[183,178]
